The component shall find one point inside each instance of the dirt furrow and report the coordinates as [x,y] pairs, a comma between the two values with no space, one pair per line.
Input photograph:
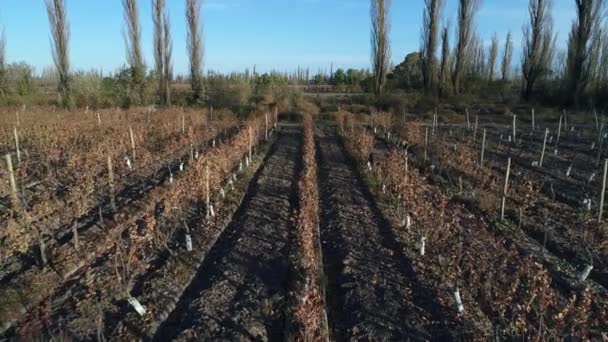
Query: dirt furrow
[372,290]
[240,290]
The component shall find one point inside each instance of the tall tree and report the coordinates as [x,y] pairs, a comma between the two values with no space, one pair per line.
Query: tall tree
[492,55]
[466,16]
[162,50]
[580,45]
[380,42]
[167,62]
[2,62]
[445,57]
[477,65]
[195,48]
[602,82]
[60,33]
[537,45]
[507,58]
[2,50]
[430,28]
[159,54]
[133,46]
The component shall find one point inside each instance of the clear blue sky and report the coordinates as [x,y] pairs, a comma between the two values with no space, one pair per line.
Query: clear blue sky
[273,34]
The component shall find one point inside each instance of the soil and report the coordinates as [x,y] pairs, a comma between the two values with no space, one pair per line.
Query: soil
[372,289]
[240,291]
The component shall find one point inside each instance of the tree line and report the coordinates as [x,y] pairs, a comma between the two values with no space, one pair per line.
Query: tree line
[575,77]
[134,79]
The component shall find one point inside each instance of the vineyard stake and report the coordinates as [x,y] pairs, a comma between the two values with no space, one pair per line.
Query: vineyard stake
[542,155]
[42,250]
[433,125]
[601,145]
[132,143]
[266,127]
[183,124]
[597,122]
[532,119]
[11,176]
[208,199]
[426,142]
[565,122]
[111,183]
[603,192]
[468,121]
[99,119]
[514,127]
[475,130]
[504,192]
[17,145]
[75,233]
[250,143]
[483,146]
[559,130]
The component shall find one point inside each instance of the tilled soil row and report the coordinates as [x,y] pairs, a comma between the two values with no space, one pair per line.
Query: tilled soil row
[56,244]
[240,290]
[90,299]
[566,304]
[545,222]
[372,290]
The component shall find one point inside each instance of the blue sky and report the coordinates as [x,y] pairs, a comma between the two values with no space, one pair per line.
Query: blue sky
[272,34]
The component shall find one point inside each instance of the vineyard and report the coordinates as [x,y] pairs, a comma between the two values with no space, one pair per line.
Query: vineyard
[204,225]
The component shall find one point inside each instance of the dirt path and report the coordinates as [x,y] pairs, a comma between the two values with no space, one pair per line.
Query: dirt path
[240,291]
[372,290]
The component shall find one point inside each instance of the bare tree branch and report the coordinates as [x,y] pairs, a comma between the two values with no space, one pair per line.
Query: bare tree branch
[195,48]
[537,45]
[507,58]
[60,33]
[445,56]
[493,54]
[430,28]
[590,14]
[466,16]
[380,10]
[133,46]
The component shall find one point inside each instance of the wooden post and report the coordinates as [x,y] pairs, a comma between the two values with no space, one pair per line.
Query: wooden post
[426,143]
[433,125]
[565,122]
[514,127]
[601,145]
[504,192]
[475,129]
[532,119]
[42,250]
[17,145]
[208,197]
[483,146]
[597,122]
[559,130]
[99,119]
[75,233]
[542,155]
[603,192]
[468,121]
[266,127]
[183,124]
[111,184]
[11,176]
[250,143]
[132,143]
